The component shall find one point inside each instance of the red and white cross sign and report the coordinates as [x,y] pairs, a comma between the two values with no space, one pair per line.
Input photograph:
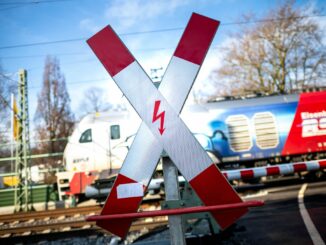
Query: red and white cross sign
[162,128]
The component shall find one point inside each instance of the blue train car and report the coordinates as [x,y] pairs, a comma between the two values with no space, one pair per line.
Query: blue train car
[270,128]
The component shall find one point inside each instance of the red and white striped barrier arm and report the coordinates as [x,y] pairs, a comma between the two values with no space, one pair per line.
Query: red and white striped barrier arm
[166,126]
[280,169]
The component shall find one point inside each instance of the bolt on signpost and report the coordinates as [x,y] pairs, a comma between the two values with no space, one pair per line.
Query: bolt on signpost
[162,129]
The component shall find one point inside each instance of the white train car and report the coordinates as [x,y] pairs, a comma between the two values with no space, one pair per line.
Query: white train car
[98,146]
[99,141]
[96,149]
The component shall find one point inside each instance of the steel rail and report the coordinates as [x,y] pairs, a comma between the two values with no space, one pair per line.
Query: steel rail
[24,216]
[74,224]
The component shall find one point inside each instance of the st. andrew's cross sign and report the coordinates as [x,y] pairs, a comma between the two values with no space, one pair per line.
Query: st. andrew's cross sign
[162,128]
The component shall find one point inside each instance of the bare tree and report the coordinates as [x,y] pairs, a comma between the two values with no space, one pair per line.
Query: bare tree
[53,116]
[279,55]
[7,86]
[94,101]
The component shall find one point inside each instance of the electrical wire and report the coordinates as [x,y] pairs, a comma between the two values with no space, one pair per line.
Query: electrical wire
[6,103]
[32,2]
[123,34]
[77,82]
[13,7]
[41,55]
[156,31]
[70,83]
[20,4]
[8,78]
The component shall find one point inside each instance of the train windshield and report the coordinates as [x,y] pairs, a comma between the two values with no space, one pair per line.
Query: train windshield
[86,136]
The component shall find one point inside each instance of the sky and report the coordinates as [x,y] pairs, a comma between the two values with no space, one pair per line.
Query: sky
[30,30]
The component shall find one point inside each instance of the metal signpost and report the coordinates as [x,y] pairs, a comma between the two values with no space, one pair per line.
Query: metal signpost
[172,194]
[162,128]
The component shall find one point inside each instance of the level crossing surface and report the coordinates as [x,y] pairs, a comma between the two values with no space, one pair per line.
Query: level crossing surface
[279,221]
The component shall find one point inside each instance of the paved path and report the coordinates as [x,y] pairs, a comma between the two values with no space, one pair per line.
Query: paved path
[280,220]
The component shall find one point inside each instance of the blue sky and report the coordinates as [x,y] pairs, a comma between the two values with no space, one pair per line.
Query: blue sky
[139,22]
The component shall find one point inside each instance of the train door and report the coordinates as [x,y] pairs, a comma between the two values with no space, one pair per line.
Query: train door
[100,146]
[117,151]
[107,137]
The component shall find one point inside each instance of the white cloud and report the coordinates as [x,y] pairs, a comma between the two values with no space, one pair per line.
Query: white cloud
[205,84]
[211,63]
[129,12]
[322,26]
[310,9]
[126,14]
[89,25]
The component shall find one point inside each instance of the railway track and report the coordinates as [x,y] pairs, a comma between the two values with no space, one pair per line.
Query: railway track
[61,220]
[72,219]
[26,216]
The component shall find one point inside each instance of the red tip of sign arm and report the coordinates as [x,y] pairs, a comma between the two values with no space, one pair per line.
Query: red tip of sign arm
[196,38]
[110,50]
[175,211]
[113,205]
[322,164]
[217,192]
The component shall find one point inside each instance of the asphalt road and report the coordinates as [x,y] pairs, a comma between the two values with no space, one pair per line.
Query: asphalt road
[280,220]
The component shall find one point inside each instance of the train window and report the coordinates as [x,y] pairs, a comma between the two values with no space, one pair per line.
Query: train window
[115,132]
[239,134]
[266,132]
[86,136]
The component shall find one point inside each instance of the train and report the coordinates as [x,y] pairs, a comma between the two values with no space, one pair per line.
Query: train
[235,132]
[265,129]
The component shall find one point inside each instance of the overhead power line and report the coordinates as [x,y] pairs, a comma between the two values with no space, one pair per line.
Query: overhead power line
[12,7]
[42,43]
[20,4]
[32,2]
[42,55]
[77,82]
[5,103]
[155,31]
[84,38]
